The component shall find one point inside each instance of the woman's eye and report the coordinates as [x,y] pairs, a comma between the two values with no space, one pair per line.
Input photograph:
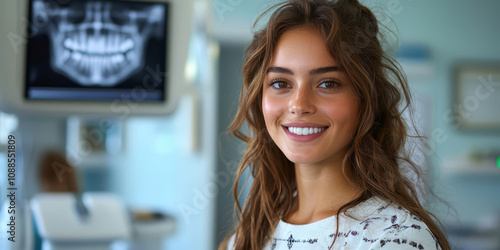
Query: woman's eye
[329,85]
[279,85]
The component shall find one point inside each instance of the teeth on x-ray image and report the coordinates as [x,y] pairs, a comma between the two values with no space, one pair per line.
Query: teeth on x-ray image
[99,43]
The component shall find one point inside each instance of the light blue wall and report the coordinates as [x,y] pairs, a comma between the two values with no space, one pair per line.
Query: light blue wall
[459,31]
[456,32]
[165,167]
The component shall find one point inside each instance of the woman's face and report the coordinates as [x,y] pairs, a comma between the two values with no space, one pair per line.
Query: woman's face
[309,110]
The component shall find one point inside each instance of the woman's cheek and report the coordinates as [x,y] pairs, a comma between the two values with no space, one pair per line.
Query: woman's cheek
[342,109]
[271,108]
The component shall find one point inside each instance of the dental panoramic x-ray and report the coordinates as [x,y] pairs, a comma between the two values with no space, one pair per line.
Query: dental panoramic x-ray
[95,46]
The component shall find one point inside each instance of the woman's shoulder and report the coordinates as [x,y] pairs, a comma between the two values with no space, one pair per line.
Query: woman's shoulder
[381,224]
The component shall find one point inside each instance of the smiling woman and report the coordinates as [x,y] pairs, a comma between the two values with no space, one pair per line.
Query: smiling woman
[326,139]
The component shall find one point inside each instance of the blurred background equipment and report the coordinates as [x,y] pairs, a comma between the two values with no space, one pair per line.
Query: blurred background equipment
[61,226]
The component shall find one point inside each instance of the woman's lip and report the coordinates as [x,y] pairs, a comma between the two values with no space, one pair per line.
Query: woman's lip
[303,125]
[303,138]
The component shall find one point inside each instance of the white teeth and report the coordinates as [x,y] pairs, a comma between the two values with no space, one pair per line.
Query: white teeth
[98,44]
[299,131]
[93,58]
[304,131]
[127,45]
[77,56]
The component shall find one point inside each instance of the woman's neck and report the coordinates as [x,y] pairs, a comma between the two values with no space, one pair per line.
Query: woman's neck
[322,189]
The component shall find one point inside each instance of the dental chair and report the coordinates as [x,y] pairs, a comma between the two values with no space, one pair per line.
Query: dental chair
[92,221]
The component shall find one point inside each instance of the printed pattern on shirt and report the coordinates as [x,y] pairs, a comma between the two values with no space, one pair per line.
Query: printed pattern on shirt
[290,241]
[392,229]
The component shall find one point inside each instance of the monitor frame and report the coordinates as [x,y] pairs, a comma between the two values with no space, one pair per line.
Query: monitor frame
[14,63]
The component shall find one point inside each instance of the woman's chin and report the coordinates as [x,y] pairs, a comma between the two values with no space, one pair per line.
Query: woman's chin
[302,158]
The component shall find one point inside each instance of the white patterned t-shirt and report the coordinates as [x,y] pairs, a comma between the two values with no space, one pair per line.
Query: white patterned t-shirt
[376,224]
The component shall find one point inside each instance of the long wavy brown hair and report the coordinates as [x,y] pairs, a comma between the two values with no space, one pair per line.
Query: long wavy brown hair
[377,156]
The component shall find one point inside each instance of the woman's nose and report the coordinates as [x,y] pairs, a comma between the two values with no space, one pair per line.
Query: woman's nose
[301,102]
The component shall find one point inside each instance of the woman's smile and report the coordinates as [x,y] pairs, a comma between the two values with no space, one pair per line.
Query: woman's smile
[303,132]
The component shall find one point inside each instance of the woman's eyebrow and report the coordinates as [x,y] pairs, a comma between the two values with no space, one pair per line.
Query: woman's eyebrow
[317,71]
[323,70]
[276,69]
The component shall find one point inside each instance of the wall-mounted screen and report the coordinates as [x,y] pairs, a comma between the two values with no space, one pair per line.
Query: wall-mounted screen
[91,50]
